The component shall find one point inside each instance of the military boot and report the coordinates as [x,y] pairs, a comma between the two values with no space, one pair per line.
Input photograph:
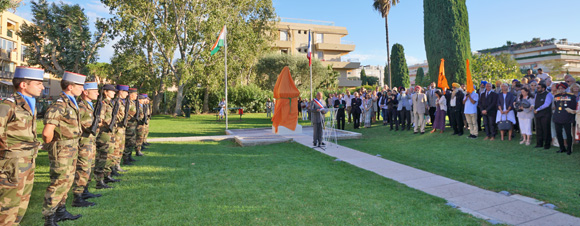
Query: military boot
[78,201]
[109,179]
[102,185]
[62,214]
[50,220]
[127,161]
[131,159]
[120,169]
[139,153]
[115,172]
[88,195]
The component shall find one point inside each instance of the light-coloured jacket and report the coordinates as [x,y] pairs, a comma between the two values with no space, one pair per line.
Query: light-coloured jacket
[419,103]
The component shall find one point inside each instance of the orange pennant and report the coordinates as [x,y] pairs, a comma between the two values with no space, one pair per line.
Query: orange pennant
[442,81]
[469,82]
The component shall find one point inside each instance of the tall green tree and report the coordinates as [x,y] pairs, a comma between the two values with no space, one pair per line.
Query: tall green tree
[446,29]
[193,26]
[420,78]
[60,39]
[9,4]
[399,69]
[384,7]
[486,67]
[363,77]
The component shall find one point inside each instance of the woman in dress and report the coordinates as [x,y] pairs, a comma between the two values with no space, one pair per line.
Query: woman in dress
[441,105]
[526,116]
[375,106]
[505,111]
[368,104]
[222,106]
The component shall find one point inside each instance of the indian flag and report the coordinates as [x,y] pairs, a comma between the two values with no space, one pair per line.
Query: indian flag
[220,42]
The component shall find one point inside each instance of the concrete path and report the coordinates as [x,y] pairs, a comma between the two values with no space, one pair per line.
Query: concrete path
[491,206]
[481,203]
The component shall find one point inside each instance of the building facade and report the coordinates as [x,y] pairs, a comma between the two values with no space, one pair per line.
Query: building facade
[413,71]
[327,45]
[371,71]
[539,53]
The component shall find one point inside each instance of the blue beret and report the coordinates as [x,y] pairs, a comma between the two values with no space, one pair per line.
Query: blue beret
[109,87]
[123,87]
[74,77]
[91,85]
[29,73]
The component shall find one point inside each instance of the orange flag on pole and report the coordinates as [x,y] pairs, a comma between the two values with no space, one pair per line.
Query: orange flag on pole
[469,82]
[442,81]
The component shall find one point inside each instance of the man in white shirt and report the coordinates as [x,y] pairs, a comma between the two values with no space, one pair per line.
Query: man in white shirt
[470,112]
[348,99]
[542,75]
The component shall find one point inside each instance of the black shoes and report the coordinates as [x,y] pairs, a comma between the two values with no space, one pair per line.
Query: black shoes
[62,214]
[78,201]
[87,195]
[139,153]
[109,179]
[50,220]
[102,185]
[127,162]
[471,136]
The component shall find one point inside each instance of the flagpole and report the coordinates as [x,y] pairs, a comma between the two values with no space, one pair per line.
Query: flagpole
[309,38]
[226,70]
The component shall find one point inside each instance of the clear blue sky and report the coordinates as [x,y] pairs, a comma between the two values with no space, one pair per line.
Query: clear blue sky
[491,23]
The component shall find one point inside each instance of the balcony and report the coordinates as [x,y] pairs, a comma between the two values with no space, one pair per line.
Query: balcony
[335,47]
[6,74]
[282,44]
[341,65]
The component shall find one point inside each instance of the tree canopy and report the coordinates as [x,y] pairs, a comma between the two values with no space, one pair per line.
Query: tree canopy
[399,69]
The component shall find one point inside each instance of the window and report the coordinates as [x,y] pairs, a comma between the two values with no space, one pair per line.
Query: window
[283,35]
[546,52]
[320,55]
[10,29]
[46,91]
[285,51]
[22,52]
[298,31]
[562,52]
[319,38]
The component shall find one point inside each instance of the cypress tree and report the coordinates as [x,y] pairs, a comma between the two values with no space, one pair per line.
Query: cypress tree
[399,69]
[446,34]
[420,79]
[363,77]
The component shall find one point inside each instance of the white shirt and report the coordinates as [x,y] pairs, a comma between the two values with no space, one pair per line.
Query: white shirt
[453,102]
[543,76]
[348,100]
[469,107]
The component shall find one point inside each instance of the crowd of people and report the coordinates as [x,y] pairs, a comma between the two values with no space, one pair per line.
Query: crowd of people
[532,103]
[88,135]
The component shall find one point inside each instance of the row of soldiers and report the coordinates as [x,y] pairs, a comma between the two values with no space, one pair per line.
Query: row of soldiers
[80,136]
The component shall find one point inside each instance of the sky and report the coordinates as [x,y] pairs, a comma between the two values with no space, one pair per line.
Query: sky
[490,25]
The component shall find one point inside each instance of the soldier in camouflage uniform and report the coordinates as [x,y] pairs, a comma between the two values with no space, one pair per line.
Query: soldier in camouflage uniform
[18,144]
[141,118]
[61,135]
[87,147]
[105,139]
[122,93]
[149,113]
[131,130]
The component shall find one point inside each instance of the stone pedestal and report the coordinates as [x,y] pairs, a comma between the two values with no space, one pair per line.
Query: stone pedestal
[285,131]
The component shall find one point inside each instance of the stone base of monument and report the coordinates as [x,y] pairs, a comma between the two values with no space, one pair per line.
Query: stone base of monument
[285,131]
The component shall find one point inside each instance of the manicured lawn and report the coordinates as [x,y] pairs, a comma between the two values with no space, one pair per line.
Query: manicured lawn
[206,124]
[217,183]
[494,165]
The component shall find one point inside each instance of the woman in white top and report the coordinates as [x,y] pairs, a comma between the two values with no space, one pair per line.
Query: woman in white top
[222,106]
[526,116]
[304,106]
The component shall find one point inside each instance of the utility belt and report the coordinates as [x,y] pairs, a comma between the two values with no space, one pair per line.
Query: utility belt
[67,142]
[6,154]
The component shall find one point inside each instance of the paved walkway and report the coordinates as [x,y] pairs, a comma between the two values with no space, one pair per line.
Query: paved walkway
[488,205]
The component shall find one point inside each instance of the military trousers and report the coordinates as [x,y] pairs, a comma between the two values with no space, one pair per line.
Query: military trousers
[119,145]
[130,139]
[105,148]
[85,164]
[16,181]
[62,155]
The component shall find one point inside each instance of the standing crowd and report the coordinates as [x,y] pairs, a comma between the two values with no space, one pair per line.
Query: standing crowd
[88,135]
[534,103]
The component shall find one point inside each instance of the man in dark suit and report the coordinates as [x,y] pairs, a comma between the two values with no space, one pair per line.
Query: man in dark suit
[543,116]
[318,110]
[356,102]
[340,105]
[456,108]
[488,106]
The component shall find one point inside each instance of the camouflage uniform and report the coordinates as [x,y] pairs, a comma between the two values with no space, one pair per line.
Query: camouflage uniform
[18,149]
[105,142]
[62,151]
[150,111]
[131,130]
[140,138]
[119,134]
[87,149]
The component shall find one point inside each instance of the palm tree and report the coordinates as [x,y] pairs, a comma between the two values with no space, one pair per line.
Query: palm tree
[384,6]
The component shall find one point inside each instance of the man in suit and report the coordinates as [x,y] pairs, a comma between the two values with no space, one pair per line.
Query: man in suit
[340,105]
[318,110]
[456,108]
[356,102]
[488,106]
[420,106]
[543,116]
[432,98]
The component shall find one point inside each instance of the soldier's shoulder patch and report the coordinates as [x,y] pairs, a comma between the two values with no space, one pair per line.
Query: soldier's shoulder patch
[4,109]
[60,100]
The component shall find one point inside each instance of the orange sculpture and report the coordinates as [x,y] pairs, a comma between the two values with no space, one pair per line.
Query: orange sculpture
[286,95]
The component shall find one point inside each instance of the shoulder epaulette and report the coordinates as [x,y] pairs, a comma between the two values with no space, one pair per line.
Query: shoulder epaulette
[11,99]
[59,100]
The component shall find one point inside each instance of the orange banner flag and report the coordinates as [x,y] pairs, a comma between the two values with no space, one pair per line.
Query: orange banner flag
[469,82]
[442,81]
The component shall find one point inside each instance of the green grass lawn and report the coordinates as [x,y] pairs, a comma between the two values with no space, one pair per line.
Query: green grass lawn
[494,165]
[206,124]
[218,183]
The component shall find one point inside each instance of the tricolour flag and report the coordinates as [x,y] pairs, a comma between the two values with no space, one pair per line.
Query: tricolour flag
[309,55]
[219,42]
[442,80]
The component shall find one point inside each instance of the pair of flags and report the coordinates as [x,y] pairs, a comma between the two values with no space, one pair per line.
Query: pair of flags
[442,80]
